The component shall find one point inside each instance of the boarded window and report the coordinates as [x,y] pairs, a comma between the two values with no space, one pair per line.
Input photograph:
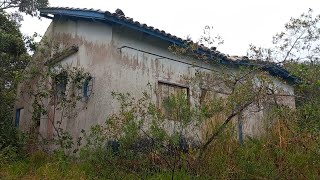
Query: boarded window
[167,91]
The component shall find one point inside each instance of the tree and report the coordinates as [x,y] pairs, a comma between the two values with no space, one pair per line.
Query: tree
[13,59]
[29,7]
[297,48]
[298,42]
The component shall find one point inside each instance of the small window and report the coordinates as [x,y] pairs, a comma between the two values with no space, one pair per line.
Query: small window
[86,90]
[60,82]
[19,113]
[61,89]
[167,91]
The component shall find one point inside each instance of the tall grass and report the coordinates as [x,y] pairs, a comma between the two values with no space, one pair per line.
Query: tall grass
[263,158]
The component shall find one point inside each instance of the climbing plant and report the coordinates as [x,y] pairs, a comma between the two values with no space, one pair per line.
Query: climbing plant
[53,90]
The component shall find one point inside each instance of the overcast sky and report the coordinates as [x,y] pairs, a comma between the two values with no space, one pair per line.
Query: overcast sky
[239,22]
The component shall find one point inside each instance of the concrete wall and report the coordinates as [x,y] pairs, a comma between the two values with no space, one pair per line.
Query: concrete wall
[124,70]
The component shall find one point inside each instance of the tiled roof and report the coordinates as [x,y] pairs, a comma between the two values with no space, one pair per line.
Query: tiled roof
[106,15]
[119,18]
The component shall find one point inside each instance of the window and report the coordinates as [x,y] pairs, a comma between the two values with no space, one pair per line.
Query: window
[19,113]
[172,108]
[61,89]
[86,90]
[60,82]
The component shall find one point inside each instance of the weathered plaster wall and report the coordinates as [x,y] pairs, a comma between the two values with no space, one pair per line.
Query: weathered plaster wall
[124,70]
[24,100]
[114,70]
[254,118]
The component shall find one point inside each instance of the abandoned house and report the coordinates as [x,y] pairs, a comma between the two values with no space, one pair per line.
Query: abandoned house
[123,55]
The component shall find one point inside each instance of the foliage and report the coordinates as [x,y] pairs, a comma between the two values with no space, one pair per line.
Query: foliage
[208,39]
[235,91]
[144,141]
[147,144]
[13,60]
[298,42]
[29,7]
[308,94]
[55,87]
[290,155]
[297,48]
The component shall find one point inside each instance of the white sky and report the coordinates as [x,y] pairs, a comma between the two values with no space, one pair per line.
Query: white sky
[239,22]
